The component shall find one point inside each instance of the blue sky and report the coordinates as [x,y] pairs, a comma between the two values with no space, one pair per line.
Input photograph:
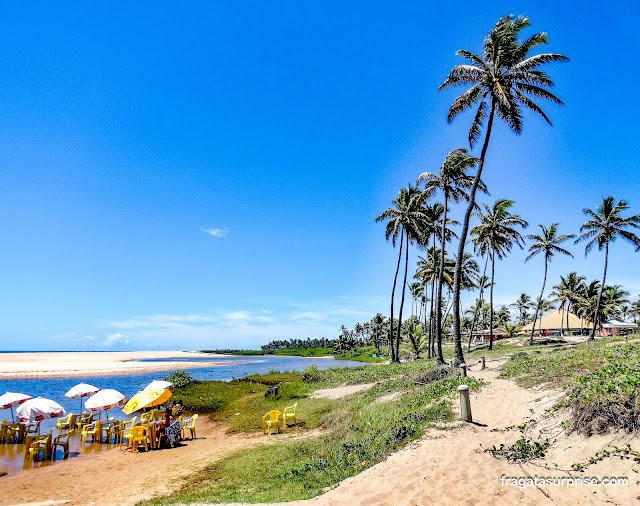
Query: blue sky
[207,176]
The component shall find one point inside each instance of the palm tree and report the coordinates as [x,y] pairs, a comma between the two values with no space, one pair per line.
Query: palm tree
[523,303]
[482,283]
[414,333]
[453,182]
[586,300]
[377,322]
[427,271]
[604,227]
[566,292]
[506,77]
[613,299]
[433,216]
[635,310]
[406,218]
[416,292]
[511,329]
[546,243]
[495,236]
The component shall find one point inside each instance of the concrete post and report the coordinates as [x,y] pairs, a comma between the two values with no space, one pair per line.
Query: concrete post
[465,403]
[463,370]
[482,361]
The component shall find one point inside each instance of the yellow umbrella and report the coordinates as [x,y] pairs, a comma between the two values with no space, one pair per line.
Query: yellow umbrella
[146,399]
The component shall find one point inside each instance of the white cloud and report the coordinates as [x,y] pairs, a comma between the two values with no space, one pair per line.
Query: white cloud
[114,339]
[246,328]
[216,232]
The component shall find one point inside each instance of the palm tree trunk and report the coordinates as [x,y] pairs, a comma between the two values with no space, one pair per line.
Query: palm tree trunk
[432,352]
[604,277]
[561,307]
[457,277]
[404,285]
[475,313]
[493,273]
[395,280]
[535,317]
[440,358]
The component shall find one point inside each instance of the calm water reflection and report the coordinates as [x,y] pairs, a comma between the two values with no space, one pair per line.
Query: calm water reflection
[12,455]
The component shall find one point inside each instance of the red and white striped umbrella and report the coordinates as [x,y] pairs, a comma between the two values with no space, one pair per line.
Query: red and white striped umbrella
[35,410]
[81,390]
[10,400]
[105,400]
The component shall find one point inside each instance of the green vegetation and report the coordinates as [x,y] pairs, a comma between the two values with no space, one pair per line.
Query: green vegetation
[179,378]
[357,354]
[523,450]
[602,382]
[358,430]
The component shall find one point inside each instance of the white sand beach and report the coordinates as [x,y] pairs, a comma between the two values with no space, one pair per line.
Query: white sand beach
[52,364]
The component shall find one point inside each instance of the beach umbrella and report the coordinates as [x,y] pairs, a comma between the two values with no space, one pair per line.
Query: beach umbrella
[146,399]
[159,385]
[10,400]
[81,390]
[105,400]
[38,409]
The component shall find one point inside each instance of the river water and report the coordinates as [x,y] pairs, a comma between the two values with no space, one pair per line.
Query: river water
[11,455]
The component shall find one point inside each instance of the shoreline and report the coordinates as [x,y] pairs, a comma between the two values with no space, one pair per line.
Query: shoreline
[25,365]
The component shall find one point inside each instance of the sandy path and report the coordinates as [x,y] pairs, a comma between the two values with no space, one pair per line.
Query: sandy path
[50,364]
[446,468]
[119,477]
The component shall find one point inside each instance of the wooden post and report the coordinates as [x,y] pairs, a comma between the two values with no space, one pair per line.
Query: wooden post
[465,403]
[482,361]
[463,370]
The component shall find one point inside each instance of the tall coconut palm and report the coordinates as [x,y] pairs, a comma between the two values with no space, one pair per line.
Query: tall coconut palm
[502,81]
[377,323]
[433,216]
[482,284]
[523,303]
[546,243]
[406,218]
[453,181]
[428,271]
[605,225]
[566,291]
[495,236]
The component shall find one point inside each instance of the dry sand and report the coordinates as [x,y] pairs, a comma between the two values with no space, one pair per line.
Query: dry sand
[445,467]
[51,364]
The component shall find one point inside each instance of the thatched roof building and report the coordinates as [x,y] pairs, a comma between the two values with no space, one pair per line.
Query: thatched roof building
[551,324]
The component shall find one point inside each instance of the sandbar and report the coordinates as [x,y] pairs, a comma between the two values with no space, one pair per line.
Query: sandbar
[86,363]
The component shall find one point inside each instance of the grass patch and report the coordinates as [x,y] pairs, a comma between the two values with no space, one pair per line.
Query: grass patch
[601,382]
[359,433]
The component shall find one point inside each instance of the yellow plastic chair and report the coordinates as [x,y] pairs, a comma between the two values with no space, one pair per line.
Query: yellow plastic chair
[63,441]
[67,422]
[115,433]
[41,444]
[82,420]
[32,428]
[125,432]
[93,429]
[138,435]
[271,419]
[288,414]
[188,423]
[7,432]
[146,417]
